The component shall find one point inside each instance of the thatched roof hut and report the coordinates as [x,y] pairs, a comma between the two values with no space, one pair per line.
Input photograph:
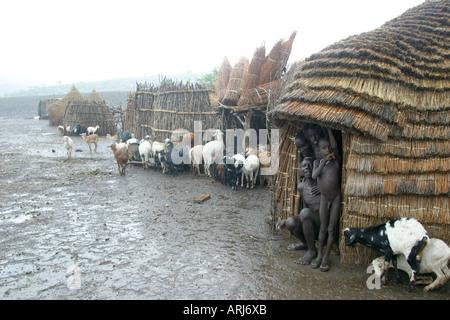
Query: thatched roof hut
[387,91]
[90,112]
[56,110]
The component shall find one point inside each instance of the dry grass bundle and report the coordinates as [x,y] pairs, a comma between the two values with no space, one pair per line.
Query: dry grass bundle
[273,66]
[223,77]
[261,95]
[251,80]
[234,87]
[286,48]
[57,109]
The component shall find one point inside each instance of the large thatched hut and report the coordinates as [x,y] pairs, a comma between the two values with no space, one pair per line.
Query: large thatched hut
[386,92]
[161,110]
[90,112]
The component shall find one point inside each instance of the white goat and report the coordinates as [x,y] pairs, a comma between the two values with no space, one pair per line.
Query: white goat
[250,170]
[195,158]
[69,144]
[213,150]
[145,151]
[92,130]
[435,257]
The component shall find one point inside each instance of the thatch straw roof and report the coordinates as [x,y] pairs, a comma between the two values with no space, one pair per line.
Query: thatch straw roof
[392,82]
[95,97]
[234,88]
[387,90]
[57,109]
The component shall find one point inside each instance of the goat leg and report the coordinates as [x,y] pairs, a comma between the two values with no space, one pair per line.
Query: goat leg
[397,274]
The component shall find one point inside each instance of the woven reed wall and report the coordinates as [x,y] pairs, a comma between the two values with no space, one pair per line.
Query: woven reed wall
[89,114]
[160,111]
[285,198]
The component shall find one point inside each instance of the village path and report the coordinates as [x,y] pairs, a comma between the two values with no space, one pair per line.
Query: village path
[77,230]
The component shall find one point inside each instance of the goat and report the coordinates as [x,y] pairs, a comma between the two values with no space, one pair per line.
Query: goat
[264,162]
[61,130]
[157,149]
[195,158]
[121,156]
[166,157]
[133,149]
[250,170]
[212,149]
[92,130]
[399,236]
[91,139]
[435,257]
[145,151]
[69,144]
[115,138]
[239,160]
[79,129]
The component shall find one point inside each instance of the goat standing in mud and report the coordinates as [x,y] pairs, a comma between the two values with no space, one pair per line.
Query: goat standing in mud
[93,138]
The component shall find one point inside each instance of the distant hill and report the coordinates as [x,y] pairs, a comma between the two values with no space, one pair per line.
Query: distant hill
[124,84]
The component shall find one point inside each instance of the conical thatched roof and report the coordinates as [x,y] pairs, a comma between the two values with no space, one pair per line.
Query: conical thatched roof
[94,96]
[390,82]
[56,110]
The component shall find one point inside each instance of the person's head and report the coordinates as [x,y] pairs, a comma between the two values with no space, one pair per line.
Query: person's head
[325,146]
[313,133]
[307,167]
[303,145]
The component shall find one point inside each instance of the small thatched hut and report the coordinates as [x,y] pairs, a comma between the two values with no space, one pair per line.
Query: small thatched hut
[387,93]
[90,112]
[56,110]
[160,110]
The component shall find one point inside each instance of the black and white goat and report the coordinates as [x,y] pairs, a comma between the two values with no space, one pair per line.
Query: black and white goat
[399,236]
[167,157]
[79,129]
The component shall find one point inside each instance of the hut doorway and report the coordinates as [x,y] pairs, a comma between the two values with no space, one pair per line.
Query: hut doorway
[295,146]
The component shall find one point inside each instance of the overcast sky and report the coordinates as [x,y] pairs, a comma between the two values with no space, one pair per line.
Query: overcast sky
[52,41]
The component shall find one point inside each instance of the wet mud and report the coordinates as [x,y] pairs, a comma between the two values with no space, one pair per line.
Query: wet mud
[75,229]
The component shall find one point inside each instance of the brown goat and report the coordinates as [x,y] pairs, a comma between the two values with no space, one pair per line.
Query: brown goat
[93,138]
[121,156]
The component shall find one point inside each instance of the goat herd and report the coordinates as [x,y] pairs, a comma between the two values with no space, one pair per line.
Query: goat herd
[176,156]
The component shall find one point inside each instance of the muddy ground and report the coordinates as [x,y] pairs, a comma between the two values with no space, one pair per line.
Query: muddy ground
[75,229]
